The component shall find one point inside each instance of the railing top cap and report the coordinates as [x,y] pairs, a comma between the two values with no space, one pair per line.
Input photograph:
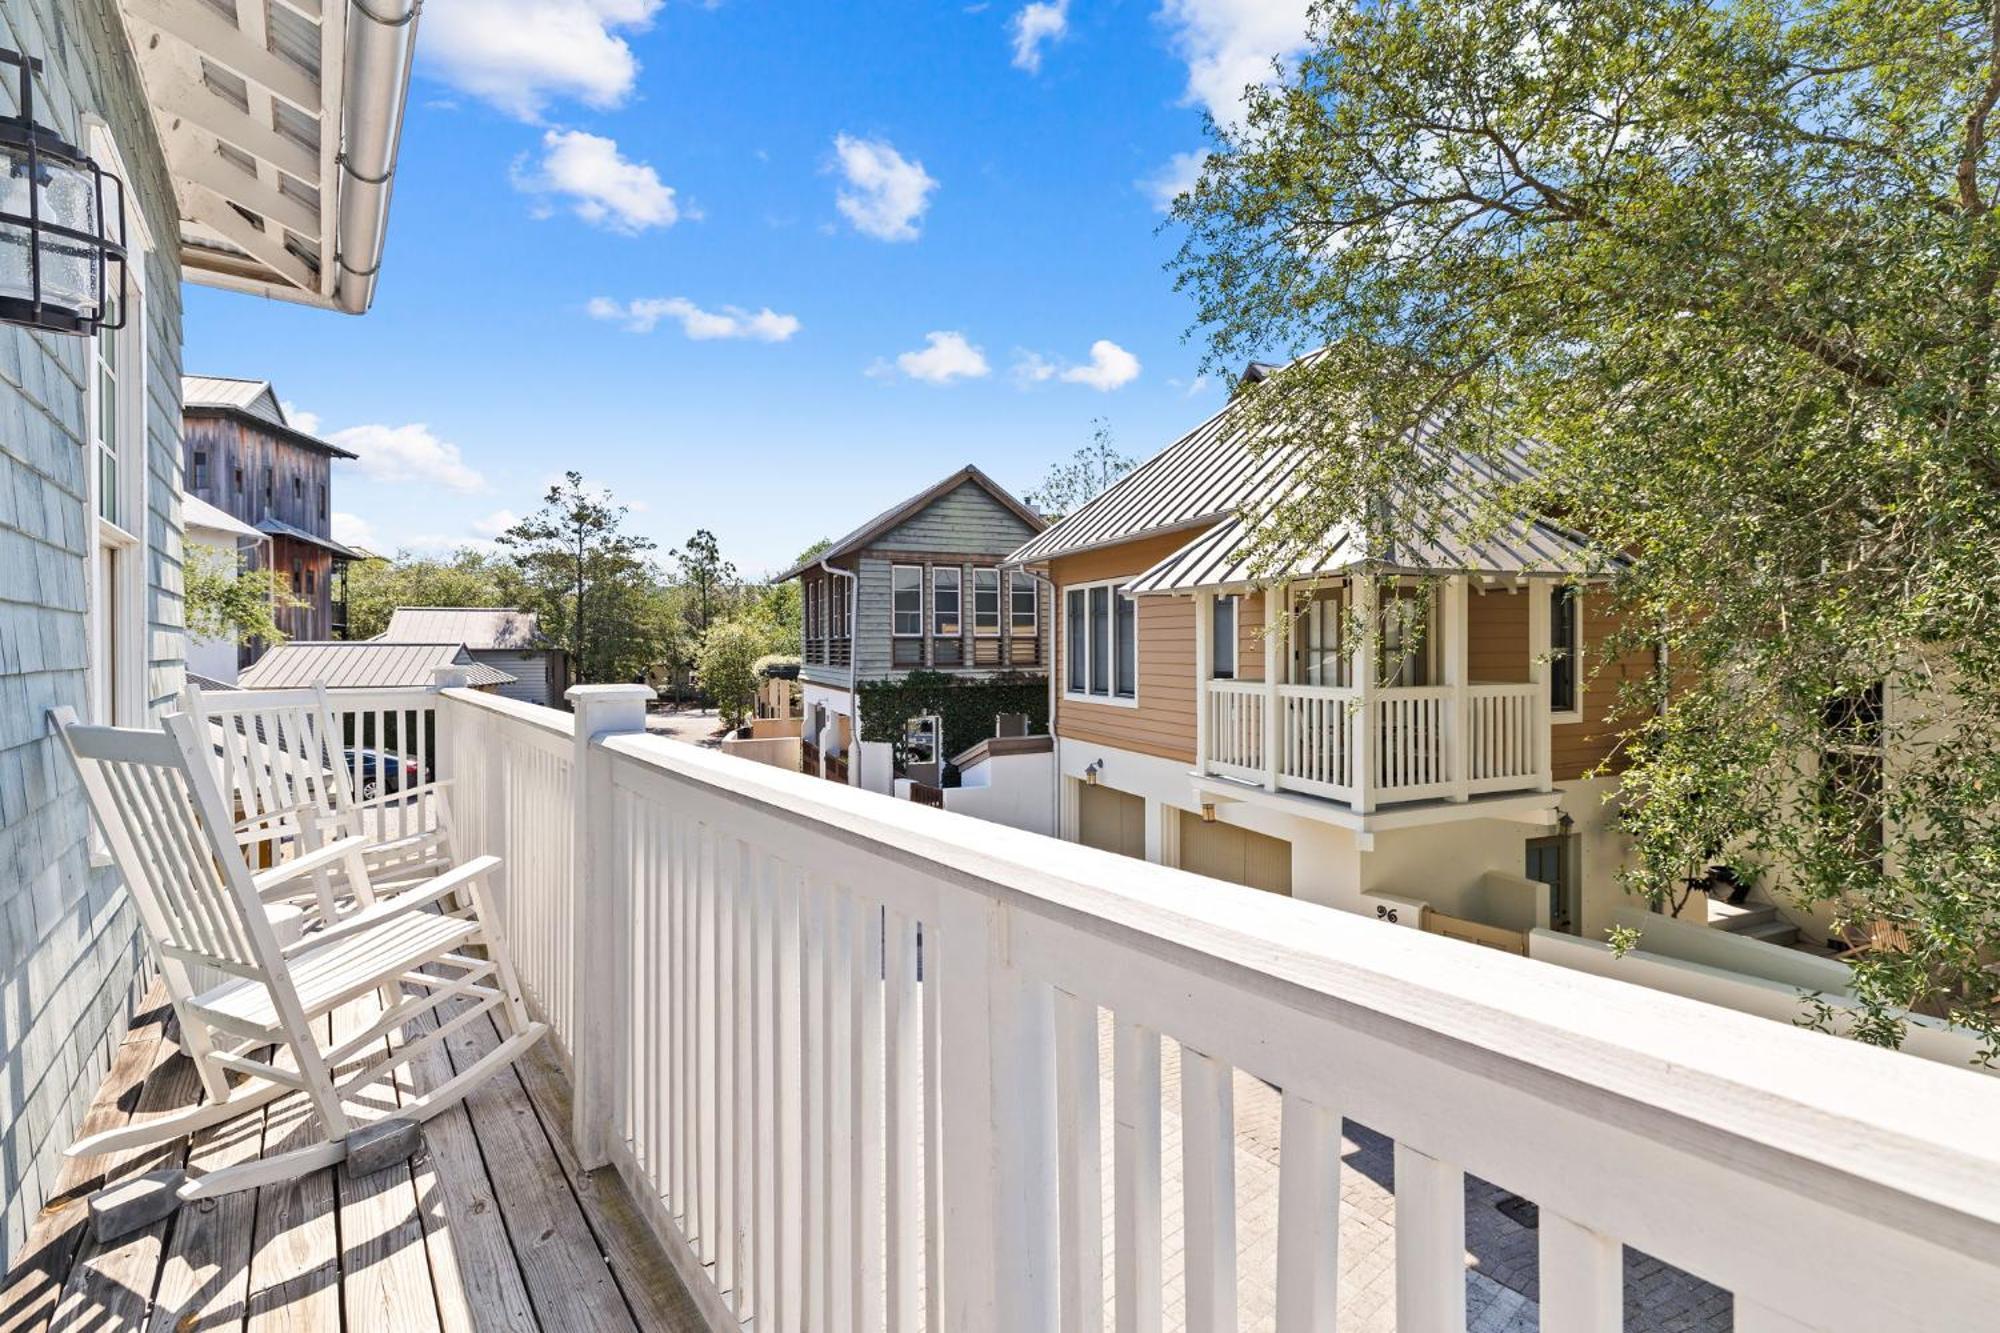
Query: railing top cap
[594,693]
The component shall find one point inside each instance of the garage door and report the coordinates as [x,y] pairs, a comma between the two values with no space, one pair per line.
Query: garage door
[1112,820]
[1225,851]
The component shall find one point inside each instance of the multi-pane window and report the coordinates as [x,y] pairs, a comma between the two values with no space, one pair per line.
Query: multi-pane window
[198,469]
[1021,589]
[944,602]
[270,482]
[1409,637]
[986,601]
[1222,650]
[114,428]
[322,502]
[298,490]
[105,430]
[1101,642]
[812,609]
[1319,653]
[1565,648]
[906,590]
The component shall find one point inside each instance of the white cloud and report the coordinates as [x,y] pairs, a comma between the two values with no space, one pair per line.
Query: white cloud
[1043,21]
[1175,178]
[603,186]
[407,453]
[352,529]
[495,523]
[945,357]
[1229,45]
[301,420]
[1110,367]
[645,314]
[520,55]
[887,193]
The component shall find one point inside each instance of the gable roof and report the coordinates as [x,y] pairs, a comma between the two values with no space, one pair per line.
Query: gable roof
[1215,481]
[198,514]
[367,664]
[277,527]
[254,401]
[895,515]
[479,628]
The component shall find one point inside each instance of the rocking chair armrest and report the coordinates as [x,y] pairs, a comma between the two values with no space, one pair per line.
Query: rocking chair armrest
[409,900]
[296,812]
[401,794]
[323,858]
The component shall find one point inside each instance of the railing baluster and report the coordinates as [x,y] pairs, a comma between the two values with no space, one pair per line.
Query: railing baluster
[1430,1244]
[1582,1278]
[868,1149]
[1136,1167]
[1208,1191]
[790,1168]
[765,1092]
[1308,1217]
[812,1106]
[701,1103]
[902,1057]
[841,1061]
[743,977]
[934,1168]
[1080,1161]
[722,1102]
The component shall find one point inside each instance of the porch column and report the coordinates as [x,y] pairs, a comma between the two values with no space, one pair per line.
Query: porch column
[1277,600]
[1361,668]
[1538,672]
[1456,655]
[1204,645]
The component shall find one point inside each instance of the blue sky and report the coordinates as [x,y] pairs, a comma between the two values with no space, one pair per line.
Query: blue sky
[757,267]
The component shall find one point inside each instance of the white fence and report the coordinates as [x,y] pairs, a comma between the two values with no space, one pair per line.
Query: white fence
[828,1136]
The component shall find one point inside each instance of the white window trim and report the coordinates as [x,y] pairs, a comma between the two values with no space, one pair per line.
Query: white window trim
[1113,699]
[1001,585]
[1235,601]
[939,578]
[1558,716]
[895,633]
[1034,625]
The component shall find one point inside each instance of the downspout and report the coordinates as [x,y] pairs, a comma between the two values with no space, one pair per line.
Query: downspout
[1049,667]
[853,666]
[380,47]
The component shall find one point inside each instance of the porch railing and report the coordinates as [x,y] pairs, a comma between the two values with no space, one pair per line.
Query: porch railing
[827,1134]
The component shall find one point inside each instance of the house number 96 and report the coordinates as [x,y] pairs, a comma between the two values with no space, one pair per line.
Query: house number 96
[1386,912]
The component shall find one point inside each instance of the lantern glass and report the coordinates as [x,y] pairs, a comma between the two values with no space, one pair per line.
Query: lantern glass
[67,197]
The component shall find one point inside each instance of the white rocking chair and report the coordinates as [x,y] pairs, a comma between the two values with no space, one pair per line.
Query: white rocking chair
[164,815]
[284,767]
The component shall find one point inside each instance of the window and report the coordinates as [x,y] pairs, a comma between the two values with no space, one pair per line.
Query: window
[945,623]
[298,573]
[1073,650]
[1565,650]
[836,596]
[269,482]
[198,469]
[312,582]
[1026,604]
[985,601]
[906,585]
[322,502]
[1102,642]
[115,425]
[1222,648]
[812,609]
[298,490]
[1409,637]
[236,481]
[1319,653]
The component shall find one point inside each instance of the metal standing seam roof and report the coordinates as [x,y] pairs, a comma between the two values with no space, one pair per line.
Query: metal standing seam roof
[480,628]
[197,513]
[367,664]
[915,504]
[255,399]
[1223,475]
[277,527]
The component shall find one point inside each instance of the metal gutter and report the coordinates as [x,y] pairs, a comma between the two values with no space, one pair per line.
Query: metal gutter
[381,46]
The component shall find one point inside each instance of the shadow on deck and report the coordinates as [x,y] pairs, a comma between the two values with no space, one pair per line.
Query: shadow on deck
[490,1226]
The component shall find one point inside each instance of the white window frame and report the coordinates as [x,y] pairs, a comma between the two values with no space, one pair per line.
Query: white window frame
[116,691]
[1110,697]
[1575,714]
[1234,602]
[1034,625]
[895,629]
[1000,586]
[940,576]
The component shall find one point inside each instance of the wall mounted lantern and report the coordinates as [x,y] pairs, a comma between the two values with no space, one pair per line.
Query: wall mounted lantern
[58,238]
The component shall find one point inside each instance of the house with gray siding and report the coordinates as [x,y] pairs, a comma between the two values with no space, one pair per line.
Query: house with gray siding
[91,528]
[509,641]
[919,587]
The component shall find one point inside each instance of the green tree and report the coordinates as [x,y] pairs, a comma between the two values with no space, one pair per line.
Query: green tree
[589,579]
[223,601]
[1067,487]
[375,588]
[708,578]
[1732,268]
[727,667]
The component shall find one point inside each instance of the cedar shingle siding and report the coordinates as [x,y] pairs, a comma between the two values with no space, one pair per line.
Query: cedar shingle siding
[69,947]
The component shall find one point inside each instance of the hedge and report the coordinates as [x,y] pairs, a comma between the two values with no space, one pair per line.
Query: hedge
[965,708]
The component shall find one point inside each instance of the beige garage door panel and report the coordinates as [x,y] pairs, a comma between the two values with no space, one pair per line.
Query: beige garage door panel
[1112,820]
[1224,851]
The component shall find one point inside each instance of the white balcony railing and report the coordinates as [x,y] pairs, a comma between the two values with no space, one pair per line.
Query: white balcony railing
[845,1050]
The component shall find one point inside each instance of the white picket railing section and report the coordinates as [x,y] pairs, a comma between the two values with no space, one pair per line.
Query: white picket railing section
[1502,736]
[1236,728]
[829,1134]
[1317,740]
[1411,759]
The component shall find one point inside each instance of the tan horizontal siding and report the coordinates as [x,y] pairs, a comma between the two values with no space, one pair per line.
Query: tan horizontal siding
[1497,635]
[1577,747]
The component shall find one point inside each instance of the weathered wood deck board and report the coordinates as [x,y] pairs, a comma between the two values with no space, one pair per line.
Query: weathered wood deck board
[489,1227]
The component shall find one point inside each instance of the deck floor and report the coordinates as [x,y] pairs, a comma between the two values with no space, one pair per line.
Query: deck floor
[490,1226]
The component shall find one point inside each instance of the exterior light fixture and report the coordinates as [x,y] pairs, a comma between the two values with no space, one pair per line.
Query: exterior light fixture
[1208,812]
[1092,770]
[58,239]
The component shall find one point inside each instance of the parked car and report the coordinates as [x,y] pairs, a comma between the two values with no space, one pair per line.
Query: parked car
[379,771]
